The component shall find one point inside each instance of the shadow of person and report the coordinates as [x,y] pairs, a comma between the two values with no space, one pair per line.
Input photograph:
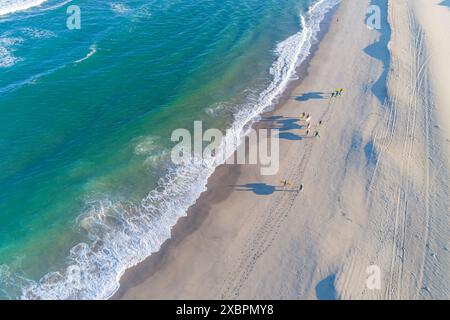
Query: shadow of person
[311,96]
[283,123]
[261,189]
[288,124]
[290,136]
[271,118]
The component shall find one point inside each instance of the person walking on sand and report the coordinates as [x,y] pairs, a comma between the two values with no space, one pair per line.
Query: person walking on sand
[340,91]
[308,118]
[307,133]
[284,183]
[317,134]
[320,123]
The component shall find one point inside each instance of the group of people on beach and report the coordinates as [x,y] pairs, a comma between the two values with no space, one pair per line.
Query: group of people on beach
[285,183]
[307,118]
[337,93]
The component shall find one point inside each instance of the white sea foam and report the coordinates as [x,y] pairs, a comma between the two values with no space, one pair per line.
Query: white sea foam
[145,146]
[8,44]
[10,6]
[218,108]
[157,158]
[92,51]
[122,234]
[36,33]
[7,48]
[56,6]
[119,8]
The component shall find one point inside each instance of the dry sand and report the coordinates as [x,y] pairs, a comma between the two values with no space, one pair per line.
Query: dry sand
[376,182]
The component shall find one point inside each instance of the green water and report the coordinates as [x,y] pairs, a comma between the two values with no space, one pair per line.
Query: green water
[86,116]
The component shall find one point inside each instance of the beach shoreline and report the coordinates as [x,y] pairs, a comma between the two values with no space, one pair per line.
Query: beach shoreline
[247,237]
[223,174]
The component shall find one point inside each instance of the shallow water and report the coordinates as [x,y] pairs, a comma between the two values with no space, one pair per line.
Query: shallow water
[86,185]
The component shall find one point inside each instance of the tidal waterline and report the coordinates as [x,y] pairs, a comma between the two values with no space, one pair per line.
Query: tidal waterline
[86,119]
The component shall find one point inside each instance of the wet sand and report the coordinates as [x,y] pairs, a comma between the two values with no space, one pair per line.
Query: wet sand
[375,185]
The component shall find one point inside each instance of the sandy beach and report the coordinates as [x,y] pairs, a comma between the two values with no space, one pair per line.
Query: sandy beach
[376,181]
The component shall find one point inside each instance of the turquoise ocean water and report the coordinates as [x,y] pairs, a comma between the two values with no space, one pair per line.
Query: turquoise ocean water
[87,188]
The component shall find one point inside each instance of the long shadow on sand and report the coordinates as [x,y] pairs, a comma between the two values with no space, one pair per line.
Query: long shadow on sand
[311,96]
[272,118]
[289,124]
[325,289]
[261,189]
[290,136]
[283,125]
[379,50]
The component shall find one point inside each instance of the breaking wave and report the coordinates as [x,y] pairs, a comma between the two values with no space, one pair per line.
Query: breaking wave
[122,234]
[10,6]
